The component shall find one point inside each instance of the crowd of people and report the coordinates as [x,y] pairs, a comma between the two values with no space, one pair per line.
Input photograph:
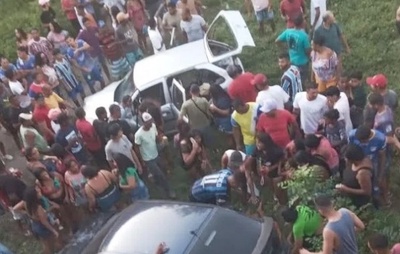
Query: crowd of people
[328,122]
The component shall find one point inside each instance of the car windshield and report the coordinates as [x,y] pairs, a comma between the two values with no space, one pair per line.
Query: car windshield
[228,232]
[125,87]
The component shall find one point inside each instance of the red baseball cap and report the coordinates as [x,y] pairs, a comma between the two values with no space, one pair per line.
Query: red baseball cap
[379,81]
[259,79]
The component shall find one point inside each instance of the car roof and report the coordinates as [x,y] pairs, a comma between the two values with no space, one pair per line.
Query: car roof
[169,62]
[184,227]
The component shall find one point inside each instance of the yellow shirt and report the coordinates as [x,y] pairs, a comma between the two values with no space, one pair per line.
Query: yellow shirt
[247,123]
[53,100]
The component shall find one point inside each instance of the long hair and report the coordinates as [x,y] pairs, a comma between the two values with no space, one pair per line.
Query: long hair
[266,140]
[123,163]
[31,199]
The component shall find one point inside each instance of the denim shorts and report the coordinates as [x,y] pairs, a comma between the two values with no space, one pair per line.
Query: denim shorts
[264,15]
[93,76]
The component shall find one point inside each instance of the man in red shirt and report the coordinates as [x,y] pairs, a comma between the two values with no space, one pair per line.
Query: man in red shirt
[291,9]
[90,138]
[40,117]
[241,88]
[276,123]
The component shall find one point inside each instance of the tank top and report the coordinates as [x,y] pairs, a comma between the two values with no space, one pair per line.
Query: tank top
[345,232]
[350,180]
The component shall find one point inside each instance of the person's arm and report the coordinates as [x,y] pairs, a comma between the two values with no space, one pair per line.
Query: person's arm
[250,183]
[44,129]
[131,183]
[343,137]
[188,158]
[328,243]
[282,38]
[358,224]
[20,206]
[294,125]
[184,34]
[317,15]
[203,25]
[90,197]
[283,12]
[224,161]
[364,179]
[237,135]
[42,216]
[53,206]
[109,175]
[136,160]
[222,112]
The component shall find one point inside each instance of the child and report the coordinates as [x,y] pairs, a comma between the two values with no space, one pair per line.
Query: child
[335,130]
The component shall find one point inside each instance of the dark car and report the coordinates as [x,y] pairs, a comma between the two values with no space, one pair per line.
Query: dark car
[185,228]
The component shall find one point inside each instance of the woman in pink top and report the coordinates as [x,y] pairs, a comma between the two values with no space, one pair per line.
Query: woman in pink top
[138,16]
[319,145]
[57,36]
[325,65]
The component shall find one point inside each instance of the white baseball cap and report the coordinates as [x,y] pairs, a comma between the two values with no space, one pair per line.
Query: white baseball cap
[268,105]
[25,116]
[146,117]
[43,2]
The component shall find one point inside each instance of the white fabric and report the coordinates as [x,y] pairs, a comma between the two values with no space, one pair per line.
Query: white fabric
[342,105]
[273,92]
[16,87]
[260,5]
[322,9]
[194,28]
[156,40]
[55,126]
[311,112]
[146,140]
[229,152]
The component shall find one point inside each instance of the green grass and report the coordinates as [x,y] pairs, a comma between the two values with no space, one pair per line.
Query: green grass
[368,25]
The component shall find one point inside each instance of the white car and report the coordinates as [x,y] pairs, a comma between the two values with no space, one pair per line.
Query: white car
[166,76]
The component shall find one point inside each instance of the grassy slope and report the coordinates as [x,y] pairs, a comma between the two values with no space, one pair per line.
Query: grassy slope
[368,25]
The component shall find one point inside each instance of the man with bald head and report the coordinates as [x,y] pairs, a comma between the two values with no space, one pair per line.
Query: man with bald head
[53,100]
[193,26]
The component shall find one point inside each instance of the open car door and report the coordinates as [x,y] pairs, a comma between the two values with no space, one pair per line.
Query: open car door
[229,29]
[178,94]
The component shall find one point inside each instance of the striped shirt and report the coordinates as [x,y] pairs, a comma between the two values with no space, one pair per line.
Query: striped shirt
[214,186]
[41,46]
[291,82]
[64,72]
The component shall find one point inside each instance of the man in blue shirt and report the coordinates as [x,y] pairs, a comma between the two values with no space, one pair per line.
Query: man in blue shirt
[26,64]
[4,66]
[298,44]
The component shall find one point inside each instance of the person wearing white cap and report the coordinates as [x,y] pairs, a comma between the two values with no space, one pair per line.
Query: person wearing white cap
[277,122]
[146,139]
[48,14]
[30,136]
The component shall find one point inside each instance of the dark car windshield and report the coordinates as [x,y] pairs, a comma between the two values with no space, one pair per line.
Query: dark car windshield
[125,87]
[228,232]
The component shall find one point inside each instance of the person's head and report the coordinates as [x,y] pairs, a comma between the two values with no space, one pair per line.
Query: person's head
[71,41]
[378,82]
[269,107]
[38,77]
[39,99]
[298,21]
[147,121]
[80,10]
[312,141]
[25,119]
[72,166]
[32,154]
[122,18]
[344,80]
[355,78]
[22,52]
[302,157]
[123,163]
[171,8]
[264,141]
[14,101]
[332,94]
[85,22]
[183,128]
[328,18]
[217,92]
[378,244]
[239,106]
[186,15]
[57,54]
[32,200]
[115,131]
[127,101]
[194,90]
[234,70]
[324,204]
[376,100]
[63,120]
[237,179]
[235,161]
[42,175]
[115,111]
[46,89]
[363,133]
[290,215]
[10,74]
[152,23]
[260,82]
[4,63]
[35,34]
[284,61]
[331,116]
[101,113]
[55,27]
[89,172]
[312,90]
[197,136]
[58,150]
[80,113]
[317,43]
[299,144]
[354,153]
[20,34]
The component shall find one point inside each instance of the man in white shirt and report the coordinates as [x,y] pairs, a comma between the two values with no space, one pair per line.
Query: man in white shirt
[264,13]
[193,27]
[16,87]
[266,92]
[311,107]
[155,36]
[318,9]
[338,100]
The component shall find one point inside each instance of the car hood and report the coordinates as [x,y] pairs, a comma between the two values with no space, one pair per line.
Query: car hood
[103,98]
